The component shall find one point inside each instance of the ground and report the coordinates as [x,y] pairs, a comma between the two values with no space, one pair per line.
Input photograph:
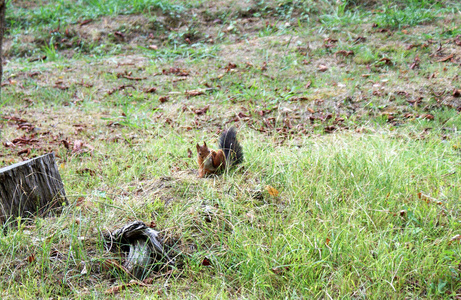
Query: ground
[349,118]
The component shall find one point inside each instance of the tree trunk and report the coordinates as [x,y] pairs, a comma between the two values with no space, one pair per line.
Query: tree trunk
[2,31]
[31,187]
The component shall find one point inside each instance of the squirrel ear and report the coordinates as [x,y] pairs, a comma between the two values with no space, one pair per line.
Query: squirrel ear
[197,146]
[204,144]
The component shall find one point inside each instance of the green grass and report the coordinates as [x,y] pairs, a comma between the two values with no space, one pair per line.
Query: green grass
[364,153]
[63,12]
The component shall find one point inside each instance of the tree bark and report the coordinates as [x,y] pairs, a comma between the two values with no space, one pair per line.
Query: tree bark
[29,188]
[2,32]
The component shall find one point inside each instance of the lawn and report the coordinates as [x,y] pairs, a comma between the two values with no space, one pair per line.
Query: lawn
[348,113]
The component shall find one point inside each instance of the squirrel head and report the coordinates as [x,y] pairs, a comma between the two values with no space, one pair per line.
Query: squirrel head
[202,150]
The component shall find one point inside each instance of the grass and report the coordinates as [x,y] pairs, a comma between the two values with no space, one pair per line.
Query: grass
[350,185]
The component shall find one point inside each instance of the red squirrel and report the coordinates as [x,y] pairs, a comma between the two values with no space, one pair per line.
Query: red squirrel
[215,161]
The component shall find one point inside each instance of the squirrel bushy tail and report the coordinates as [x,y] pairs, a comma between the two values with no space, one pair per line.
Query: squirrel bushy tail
[231,147]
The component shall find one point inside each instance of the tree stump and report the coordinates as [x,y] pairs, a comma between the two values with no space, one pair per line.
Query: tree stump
[29,188]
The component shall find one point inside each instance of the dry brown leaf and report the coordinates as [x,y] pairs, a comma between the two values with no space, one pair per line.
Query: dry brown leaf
[272,191]
[119,88]
[206,262]
[359,39]
[31,258]
[118,288]
[344,53]
[163,99]
[280,270]
[409,47]
[24,151]
[80,145]
[415,63]
[175,71]
[322,68]
[202,111]
[80,201]
[84,22]
[194,93]
[386,60]
[445,58]
[150,90]
[427,117]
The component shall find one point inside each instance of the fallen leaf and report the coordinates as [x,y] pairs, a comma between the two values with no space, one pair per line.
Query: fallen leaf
[129,77]
[84,22]
[456,93]
[327,241]
[31,258]
[84,270]
[153,47]
[302,98]
[386,60]
[322,68]
[272,191]
[80,201]
[119,34]
[308,84]
[189,153]
[163,99]
[118,288]
[175,71]
[119,88]
[359,39]
[24,141]
[415,63]
[86,171]
[206,262]
[33,74]
[231,66]
[66,144]
[79,145]
[37,58]
[24,151]
[409,47]
[329,43]
[60,85]
[280,270]
[150,90]
[202,111]
[344,53]
[457,40]
[384,30]
[329,129]
[427,117]
[194,93]
[445,58]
